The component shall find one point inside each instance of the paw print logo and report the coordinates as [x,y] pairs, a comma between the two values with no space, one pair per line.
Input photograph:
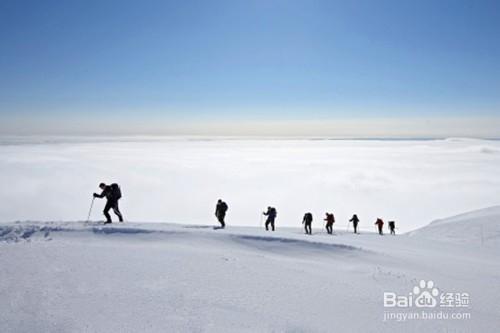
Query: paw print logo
[425,294]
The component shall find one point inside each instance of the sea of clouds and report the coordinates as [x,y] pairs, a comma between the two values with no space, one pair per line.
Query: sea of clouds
[179,179]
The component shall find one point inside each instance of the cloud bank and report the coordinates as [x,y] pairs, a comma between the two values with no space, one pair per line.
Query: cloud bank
[422,127]
[179,179]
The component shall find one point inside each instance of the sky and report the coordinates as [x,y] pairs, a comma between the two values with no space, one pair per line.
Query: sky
[398,68]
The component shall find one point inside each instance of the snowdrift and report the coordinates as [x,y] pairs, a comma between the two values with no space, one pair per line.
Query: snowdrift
[480,227]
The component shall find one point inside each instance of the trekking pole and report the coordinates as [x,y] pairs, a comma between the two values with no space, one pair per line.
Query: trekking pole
[90,210]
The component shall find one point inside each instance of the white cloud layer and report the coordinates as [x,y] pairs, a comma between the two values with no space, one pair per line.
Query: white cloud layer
[179,180]
[421,127]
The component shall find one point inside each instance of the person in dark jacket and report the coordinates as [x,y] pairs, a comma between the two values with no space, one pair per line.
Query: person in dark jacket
[355,221]
[307,222]
[112,193]
[379,224]
[330,220]
[271,216]
[392,227]
[220,212]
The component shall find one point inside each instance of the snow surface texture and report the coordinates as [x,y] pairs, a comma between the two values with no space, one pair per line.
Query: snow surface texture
[180,179]
[155,277]
[459,229]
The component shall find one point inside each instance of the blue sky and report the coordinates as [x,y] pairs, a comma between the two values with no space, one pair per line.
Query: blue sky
[78,63]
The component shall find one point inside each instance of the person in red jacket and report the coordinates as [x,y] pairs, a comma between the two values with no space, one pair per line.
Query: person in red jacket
[330,220]
[379,224]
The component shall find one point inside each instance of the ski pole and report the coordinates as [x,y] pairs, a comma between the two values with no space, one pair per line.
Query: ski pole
[90,210]
[260,226]
[349,222]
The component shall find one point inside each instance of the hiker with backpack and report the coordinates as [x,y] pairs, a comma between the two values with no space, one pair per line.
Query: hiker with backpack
[379,223]
[220,212]
[271,216]
[330,220]
[307,221]
[113,194]
[355,221]
[392,227]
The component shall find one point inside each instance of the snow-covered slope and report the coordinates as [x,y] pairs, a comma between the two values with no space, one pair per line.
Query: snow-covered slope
[140,277]
[480,227]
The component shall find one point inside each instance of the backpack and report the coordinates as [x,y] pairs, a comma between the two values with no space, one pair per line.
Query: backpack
[116,192]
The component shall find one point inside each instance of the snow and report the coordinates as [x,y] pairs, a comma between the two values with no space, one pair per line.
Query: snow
[158,277]
[478,227]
